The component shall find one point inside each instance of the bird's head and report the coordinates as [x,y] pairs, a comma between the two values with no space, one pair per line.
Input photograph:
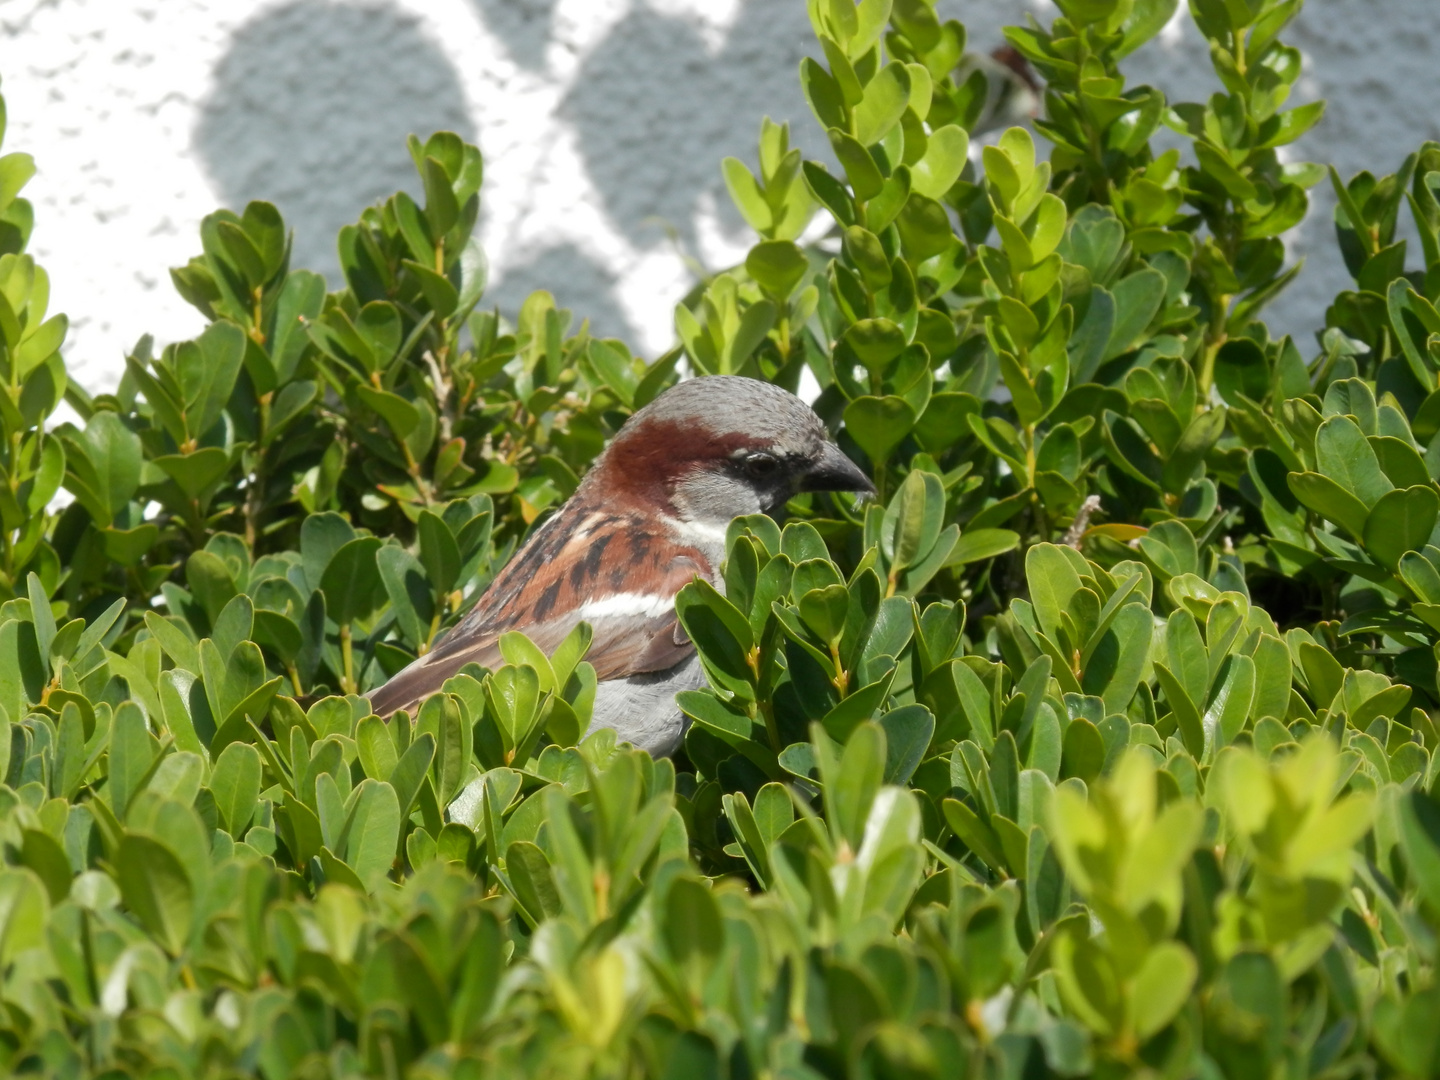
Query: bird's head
[713,448]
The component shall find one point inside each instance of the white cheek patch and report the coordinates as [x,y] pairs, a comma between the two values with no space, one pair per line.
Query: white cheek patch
[626,605]
[704,531]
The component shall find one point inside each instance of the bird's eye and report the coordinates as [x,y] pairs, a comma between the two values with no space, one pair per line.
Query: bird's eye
[761,464]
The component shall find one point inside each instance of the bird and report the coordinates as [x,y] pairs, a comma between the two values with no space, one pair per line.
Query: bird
[648,518]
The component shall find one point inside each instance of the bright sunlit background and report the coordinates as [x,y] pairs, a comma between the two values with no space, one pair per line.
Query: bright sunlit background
[603,123]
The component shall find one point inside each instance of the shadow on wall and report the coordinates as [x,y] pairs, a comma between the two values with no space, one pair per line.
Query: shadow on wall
[310,109]
[577,282]
[655,111]
[523,25]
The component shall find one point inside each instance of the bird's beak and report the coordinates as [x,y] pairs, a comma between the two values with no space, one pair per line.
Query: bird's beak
[833,471]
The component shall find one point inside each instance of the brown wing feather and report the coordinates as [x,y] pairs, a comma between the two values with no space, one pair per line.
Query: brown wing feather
[412,685]
[582,555]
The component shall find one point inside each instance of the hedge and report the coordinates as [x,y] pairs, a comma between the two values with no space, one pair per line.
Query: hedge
[1103,742]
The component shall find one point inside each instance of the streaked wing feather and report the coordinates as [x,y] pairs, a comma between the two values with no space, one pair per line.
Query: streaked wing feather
[625,642]
[619,651]
[413,684]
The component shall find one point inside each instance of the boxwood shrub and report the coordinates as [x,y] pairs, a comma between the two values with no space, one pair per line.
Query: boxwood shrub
[1102,742]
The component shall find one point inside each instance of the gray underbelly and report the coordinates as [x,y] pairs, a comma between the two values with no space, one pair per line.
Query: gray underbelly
[642,709]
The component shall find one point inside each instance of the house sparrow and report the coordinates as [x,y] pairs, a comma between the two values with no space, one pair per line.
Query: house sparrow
[649,517]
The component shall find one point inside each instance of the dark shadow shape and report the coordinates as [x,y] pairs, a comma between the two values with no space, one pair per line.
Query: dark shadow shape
[310,110]
[655,112]
[524,26]
[577,282]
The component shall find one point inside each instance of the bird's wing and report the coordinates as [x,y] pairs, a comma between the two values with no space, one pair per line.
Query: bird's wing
[616,572]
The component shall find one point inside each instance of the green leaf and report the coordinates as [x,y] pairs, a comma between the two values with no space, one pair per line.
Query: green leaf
[616,367]
[1330,500]
[473,269]
[824,96]
[235,784]
[195,471]
[1185,711]
[975,834]
[379,327]
[977,545]
[532,881]
[747,833]
[43,854]
[1414,320]
[908,731]
[1053,580]
[870,20]
[886,206]
[755,324]
[1230,701]
[1187,460]
[911,526]
[1242,371]
[411,597]
[746,194]
[374,831]
[208,371]
[879,424]
[114,451]
[514,696]
[399,414]
[131,757]
[15,172]
[1400,461]
[692,926]
[375,748]
[851,789]
[411,770]
[41,615]
[49,475]
[875,342]
[773,812]
[924,228]
[1407,1033]
[156,888]
[443,716]
[1401,521]
[351,582]
[1088,983]
[178,645]
[1323,674]
[1084,751]
[1217,165]
[1130,450]
[300,302]
[242,253]
[945,156]
[321,536]
[1161,987]
[1420,839]
[265,228]
[24,912]
[441,209]
[777,266]
[1344,455]
[721,633]
[824,611]
[1137,300]
[1147,19]
[860,168]
[884,102]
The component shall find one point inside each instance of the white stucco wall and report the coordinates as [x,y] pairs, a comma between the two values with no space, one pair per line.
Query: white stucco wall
[603,123]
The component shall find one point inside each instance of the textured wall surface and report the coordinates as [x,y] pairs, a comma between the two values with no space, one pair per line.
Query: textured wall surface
[603,123]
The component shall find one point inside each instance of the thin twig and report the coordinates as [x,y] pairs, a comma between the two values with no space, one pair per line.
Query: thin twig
[1081,522]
